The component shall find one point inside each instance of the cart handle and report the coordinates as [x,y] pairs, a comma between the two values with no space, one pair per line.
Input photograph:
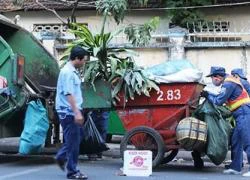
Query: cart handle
[194,101]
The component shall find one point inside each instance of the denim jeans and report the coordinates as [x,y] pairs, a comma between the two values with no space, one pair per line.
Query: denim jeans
[73,134]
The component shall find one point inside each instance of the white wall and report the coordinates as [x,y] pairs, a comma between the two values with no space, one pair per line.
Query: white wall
[27,19]
[238,17]
[228,58]
[150,57]
[203,58]
[147,57]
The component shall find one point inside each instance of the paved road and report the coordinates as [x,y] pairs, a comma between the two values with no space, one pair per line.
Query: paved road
[43,168]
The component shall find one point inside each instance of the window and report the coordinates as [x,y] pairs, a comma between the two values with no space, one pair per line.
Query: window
[56,28]
[211,31]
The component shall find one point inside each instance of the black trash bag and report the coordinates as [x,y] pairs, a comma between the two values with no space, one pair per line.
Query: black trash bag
[219,129]
[92,142]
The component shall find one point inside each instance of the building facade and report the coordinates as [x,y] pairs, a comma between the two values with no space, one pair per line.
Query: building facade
[223,41]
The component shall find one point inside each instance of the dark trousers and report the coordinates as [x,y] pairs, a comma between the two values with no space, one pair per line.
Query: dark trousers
[100,118]
[240,139]
[73,134]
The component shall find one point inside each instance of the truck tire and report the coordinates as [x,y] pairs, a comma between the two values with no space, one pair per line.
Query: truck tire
[144,138]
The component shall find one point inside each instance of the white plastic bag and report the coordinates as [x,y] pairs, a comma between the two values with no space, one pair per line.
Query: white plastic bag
[186,75]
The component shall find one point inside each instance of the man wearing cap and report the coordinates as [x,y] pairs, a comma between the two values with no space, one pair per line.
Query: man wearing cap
[237,99]
[238,72]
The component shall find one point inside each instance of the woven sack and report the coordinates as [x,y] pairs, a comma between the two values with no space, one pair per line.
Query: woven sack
[192,134]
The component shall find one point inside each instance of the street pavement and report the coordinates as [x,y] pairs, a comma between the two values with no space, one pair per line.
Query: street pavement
[182,154]
[113,152]
[10,145]
[43,167]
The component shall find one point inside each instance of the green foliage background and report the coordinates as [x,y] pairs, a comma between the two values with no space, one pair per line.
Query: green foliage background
[181,17]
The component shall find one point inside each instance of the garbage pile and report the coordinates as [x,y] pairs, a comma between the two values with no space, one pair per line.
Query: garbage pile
[217,120]
[174,71]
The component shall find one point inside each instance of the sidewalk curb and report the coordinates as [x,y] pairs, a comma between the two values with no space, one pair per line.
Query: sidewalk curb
[10,146]
[114,152]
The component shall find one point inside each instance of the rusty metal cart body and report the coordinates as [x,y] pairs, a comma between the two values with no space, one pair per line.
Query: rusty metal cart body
[150,122]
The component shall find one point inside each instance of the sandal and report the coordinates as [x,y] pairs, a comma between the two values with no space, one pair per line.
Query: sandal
[77,176]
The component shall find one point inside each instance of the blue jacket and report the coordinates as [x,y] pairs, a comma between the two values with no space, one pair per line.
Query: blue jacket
[229,91]
[246,85]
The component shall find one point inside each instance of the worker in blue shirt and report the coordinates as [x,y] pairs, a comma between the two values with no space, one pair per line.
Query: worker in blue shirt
[237,99]
[238,72]
[69,106]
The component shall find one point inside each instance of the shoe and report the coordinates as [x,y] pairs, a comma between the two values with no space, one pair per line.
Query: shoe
[227,166]
[77,175]
[247,174]
[198,162]
[231,171]
[60,163]
[99,155]
[92,157]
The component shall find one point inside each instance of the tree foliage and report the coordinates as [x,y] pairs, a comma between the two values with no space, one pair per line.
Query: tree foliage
[181,17]
[115,8]
[141,34]
[109,64]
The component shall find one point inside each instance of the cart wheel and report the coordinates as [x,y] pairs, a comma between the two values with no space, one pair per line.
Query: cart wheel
[144,138]
[169,156]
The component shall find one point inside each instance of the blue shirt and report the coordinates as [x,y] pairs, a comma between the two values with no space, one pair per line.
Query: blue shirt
[69,82]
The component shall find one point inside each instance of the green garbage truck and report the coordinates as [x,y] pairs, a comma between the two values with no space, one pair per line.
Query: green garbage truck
[29,71]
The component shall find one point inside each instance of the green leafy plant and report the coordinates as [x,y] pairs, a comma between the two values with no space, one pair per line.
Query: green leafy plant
[132,80]
[115,65]
[115,8]
[141,34]
[18,2]
[109,64]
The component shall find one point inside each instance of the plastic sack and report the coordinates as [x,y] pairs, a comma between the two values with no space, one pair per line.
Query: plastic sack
[36,125]
[169,67]
[219,130]
[186,75]
[92,142]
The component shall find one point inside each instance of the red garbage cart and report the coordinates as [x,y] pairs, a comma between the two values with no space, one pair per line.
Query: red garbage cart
[151,122]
